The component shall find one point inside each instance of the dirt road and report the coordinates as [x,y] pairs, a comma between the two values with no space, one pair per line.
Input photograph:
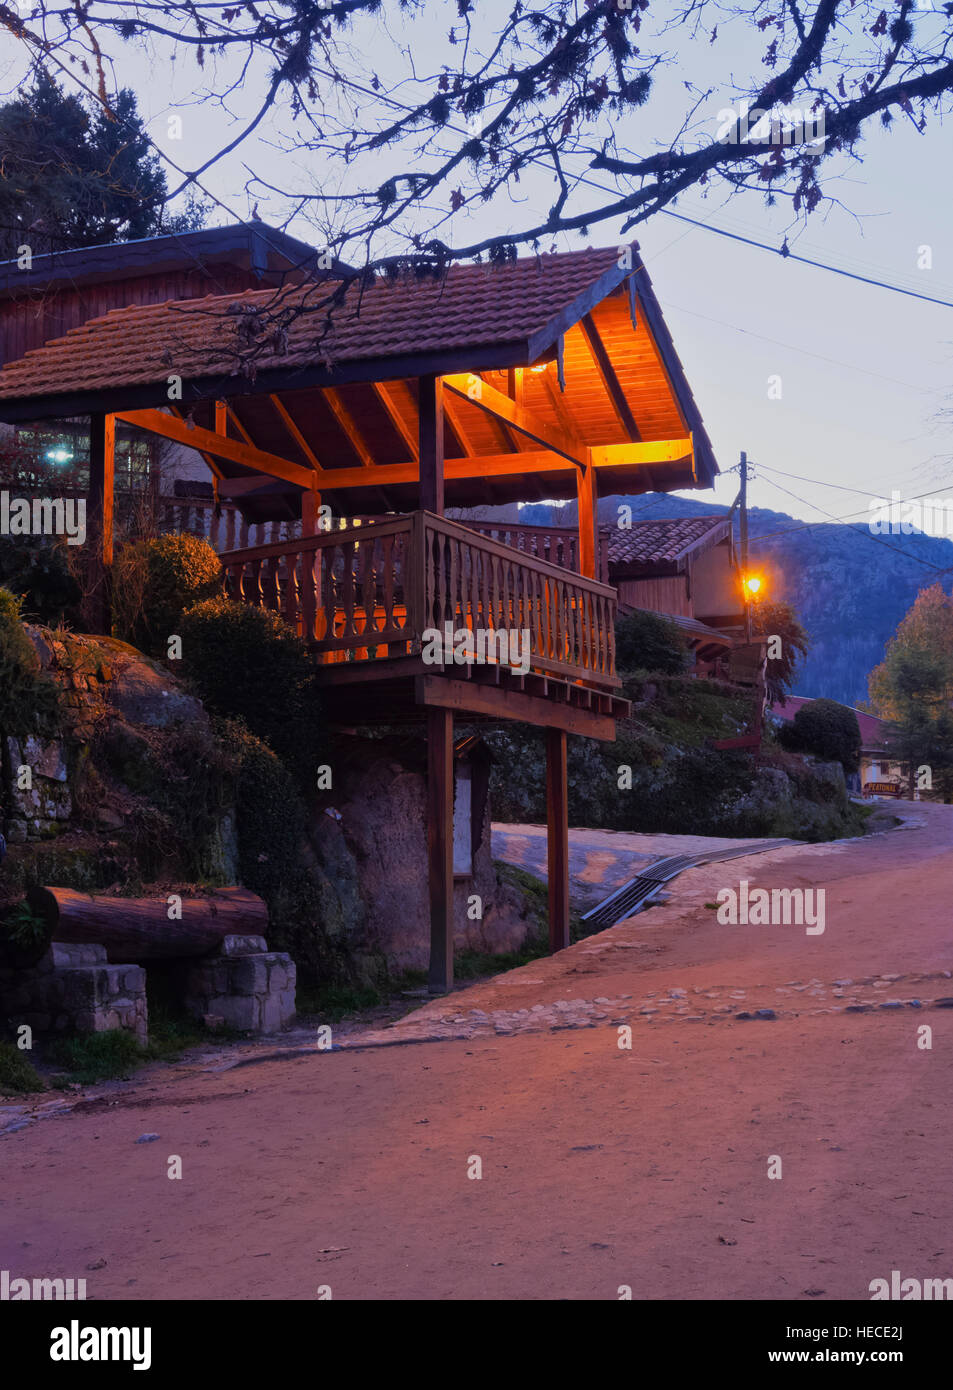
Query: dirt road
[601,1166]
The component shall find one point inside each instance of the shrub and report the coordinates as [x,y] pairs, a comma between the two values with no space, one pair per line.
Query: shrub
[16,1072]
[29,699]
[826,729]
[649,642]
[246,663]
[154,581]
[271,821]
[39,573]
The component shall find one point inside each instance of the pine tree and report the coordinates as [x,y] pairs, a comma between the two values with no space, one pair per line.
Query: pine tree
[71,178]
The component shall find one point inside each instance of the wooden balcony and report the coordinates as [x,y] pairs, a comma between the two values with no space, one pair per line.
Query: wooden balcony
[370,599]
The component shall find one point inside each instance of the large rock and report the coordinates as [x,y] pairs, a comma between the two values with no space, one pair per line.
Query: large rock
[371,854]
[144,694]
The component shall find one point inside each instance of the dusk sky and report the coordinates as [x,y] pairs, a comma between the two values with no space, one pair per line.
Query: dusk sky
[865,372]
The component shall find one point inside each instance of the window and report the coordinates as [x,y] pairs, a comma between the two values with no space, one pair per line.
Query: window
[59,454]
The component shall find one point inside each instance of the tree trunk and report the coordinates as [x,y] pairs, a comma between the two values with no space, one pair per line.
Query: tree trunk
[133,929]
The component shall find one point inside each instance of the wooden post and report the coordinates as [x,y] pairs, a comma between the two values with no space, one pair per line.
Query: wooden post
[588,518]
[440,847]
[99,519]
[431,443]
[310,503]
[557,828]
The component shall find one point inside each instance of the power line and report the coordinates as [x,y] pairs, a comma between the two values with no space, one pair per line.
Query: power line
[805,260]
[806,352]
[818,482]
[679,216]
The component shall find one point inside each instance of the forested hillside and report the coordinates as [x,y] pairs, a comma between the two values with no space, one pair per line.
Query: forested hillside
[850,590]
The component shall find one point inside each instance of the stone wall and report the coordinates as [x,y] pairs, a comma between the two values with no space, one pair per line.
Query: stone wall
[244,986]
[73,989]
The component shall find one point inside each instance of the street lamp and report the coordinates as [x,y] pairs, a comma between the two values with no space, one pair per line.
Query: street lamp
[751,586]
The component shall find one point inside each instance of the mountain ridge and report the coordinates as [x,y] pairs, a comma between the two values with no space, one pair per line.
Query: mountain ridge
[849,588]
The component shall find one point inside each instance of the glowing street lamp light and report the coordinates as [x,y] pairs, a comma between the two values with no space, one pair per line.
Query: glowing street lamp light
[752,584]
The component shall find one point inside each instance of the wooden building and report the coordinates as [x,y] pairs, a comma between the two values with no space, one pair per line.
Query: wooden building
[549,377]
[62,290]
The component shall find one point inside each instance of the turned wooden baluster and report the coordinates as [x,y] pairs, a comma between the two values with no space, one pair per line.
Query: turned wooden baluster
[368,555]
[269,583]
[307,595]
[347,551]
[290,600]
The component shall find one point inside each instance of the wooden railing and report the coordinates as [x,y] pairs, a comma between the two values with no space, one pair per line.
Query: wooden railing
[375,590]
[559,545]
[226,529]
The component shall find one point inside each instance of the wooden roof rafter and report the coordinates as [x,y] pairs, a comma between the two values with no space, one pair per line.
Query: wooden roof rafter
[471,387]
[348,425]
[291,426]
[408,435]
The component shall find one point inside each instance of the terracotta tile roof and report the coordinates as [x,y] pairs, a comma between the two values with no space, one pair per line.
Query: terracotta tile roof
[663,542]
[473,305]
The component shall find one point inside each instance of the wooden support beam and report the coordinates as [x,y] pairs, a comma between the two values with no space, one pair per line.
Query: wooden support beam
[431,444]
[99,518]
[472,696]
[473,388]
[221,417]
[557,838]
[207,441]
[349,425]
[587,494]
[606,456]
[310,504]
[609,377]
[440,847]
[499,465]
[642,452]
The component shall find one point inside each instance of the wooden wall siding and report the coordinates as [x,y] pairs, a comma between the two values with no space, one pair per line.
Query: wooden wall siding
[658,595]
[42,316]
[370,592]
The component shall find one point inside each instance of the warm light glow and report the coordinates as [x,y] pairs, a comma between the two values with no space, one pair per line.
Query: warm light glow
[540,367]
[752,584]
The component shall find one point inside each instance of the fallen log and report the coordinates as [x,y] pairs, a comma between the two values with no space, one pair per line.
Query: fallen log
[133,929]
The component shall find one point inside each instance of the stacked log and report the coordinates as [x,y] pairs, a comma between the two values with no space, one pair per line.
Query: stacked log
[133,929]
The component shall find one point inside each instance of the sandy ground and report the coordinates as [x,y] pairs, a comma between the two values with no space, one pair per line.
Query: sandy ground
[601,1167]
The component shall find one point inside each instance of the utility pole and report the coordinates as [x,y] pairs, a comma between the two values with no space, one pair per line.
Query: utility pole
[743,518]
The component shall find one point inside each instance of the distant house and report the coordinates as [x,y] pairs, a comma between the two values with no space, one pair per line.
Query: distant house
[685,568]
[61,291]
[65,289]
[879,762]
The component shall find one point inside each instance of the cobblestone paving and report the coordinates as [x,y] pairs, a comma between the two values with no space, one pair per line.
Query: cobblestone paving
[711,1005]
